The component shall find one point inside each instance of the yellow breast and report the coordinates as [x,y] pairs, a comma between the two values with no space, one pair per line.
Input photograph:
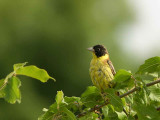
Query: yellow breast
[100,72]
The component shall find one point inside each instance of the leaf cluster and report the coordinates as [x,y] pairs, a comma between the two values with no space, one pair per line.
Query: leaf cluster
[95,105]
[10,86]
[131,98]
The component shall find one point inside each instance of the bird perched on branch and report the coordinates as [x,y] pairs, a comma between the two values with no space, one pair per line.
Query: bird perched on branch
[101,68]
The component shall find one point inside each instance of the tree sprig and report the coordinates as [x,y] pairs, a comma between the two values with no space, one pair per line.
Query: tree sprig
[133,96]
[121,96]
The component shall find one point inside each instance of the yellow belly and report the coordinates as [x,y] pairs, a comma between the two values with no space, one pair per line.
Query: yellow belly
[101,74]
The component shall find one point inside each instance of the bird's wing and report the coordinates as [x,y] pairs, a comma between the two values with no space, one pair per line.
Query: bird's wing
[111,66]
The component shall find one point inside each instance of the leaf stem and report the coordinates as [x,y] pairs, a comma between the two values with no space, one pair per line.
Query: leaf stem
[6,80]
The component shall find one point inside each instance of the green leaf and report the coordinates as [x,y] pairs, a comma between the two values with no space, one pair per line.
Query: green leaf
[114,99]
[109,113]
[91,97]
[105,111]
[154,93]
[19,65]
[11,90]
[122,116]
[1,82]
[142,95]
[59,98]
[50,113]
[131,118]
[90,116]
[145,112]
[62,114]
[73,103]
[69,114]
[59,109]
[1,86]
[46,116]
[34,72]
[142,106]
[123,80]
[150,66]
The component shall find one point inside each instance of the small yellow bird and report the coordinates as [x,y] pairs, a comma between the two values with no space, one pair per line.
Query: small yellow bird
[101,68]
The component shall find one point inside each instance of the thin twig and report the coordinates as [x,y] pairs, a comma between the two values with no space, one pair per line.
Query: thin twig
[121,96]
[135,81]
[135,89]
[92,109]
[158,108]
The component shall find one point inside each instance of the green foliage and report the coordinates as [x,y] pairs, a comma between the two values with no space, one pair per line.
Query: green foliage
[74,103]
[59,98]
[9,87]
[154,93]
[144,109]
[1,92]
[123,80]
[59,109]
[18,66]
[123,116]
[150,66]
[114,100]
[91,97]
[34,72]
[94,104]
[70,115]
[109,113]
[90,116]
[12,91]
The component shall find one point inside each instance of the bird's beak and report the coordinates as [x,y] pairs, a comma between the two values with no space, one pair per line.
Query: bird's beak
[90,49]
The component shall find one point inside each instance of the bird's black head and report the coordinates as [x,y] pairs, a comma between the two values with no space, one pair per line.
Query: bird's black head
[99,50]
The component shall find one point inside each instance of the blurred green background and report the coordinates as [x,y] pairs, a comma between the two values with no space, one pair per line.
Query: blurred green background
[54,35]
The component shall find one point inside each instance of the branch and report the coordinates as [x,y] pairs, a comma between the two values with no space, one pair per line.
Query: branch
[92,110]
[121,96]
[135,89]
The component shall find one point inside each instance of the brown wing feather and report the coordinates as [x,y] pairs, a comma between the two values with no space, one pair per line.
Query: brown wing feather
[111,66]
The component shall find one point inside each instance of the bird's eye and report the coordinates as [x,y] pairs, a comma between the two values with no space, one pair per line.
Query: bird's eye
[98,49]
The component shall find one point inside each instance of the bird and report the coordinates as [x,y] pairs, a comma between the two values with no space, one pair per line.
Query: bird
[101,68]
